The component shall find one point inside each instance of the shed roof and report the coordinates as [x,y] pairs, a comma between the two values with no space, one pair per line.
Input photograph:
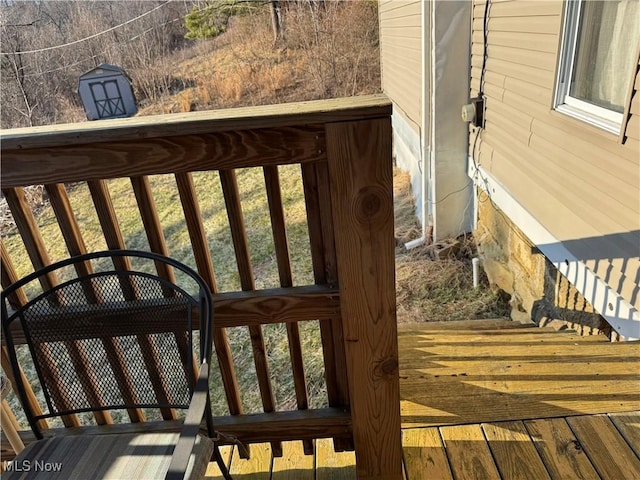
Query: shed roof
[105,66]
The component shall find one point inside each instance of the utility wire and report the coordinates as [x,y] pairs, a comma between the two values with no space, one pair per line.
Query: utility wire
[55,47]
[79,62]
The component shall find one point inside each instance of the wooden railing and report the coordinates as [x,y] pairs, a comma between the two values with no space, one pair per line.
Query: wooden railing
[344,149]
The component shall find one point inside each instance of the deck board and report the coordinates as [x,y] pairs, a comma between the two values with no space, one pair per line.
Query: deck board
[606,448]
[213,471]
[500,400]
[513,451]
[332,465]
[493,399]
[258,467]
[425,455]
[468,452]
[293,464]
[628,424]
[560,450]
[490,371]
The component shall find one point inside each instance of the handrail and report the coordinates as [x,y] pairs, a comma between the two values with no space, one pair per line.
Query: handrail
[195,123]
[343,147]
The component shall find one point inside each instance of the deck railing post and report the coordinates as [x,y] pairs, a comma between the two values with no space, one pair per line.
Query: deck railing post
[361,180]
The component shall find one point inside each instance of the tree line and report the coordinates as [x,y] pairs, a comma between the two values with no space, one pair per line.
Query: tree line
[47,45]
[39,82]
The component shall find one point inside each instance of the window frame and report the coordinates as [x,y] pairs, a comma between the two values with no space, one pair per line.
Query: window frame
[601,117]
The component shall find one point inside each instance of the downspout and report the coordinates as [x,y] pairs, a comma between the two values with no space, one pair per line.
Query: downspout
[425,134]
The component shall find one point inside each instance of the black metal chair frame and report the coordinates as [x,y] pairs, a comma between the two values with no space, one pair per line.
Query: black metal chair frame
[199,405]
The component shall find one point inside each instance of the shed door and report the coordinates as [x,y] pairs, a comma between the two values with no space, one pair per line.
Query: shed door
[107,98]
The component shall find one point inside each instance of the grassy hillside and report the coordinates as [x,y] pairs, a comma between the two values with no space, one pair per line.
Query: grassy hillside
[335,55]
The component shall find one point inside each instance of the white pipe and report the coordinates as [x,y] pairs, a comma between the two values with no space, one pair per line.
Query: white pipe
[475,262]
[414,243]
[425,151]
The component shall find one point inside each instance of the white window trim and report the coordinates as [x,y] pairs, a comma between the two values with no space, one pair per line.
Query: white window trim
[564,103]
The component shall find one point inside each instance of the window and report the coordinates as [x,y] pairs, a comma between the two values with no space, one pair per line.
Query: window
[597,58]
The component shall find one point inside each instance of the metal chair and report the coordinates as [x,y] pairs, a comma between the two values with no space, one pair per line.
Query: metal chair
[116,340]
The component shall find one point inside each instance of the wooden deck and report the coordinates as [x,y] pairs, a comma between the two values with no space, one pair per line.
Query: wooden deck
[496,399]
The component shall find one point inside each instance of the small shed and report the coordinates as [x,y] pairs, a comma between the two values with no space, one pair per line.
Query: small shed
[106,91]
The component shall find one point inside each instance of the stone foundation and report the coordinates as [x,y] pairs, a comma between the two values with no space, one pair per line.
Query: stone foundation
[539,292]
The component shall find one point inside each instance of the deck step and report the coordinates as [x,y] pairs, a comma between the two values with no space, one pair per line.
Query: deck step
[489,327]
[469,372]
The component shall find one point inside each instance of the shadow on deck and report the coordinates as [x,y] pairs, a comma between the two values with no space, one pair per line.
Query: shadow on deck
[496,399]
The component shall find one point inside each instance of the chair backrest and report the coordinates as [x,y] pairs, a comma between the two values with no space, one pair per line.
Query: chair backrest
[109,339]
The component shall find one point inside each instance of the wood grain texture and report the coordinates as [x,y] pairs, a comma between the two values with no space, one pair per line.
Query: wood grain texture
[293,464]
[628,424]
[31,397]
[332,465]
[195,227]
[110,228]
[424,454]
[331,270]
[513,451]
[561,453]
[157,243]
[204,264]
[235,309]
[279,230]
[468,452]
[316,244]
[69,227]
[472,372]
[135,128]
[115,241]
[249,429]
[278,226]
[151,222]
[70,230]
[170,154]
[8,276]
[289,425]
[606,448]
[360,170]
[10,427]
[231,195]
[258,467]
[30,233]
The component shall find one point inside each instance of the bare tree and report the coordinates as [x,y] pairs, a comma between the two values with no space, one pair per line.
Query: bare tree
[47,45]
[276,20]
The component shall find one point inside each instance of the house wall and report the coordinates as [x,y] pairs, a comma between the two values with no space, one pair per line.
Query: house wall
[401,59]
[401,65]
[579,182]
[425,72]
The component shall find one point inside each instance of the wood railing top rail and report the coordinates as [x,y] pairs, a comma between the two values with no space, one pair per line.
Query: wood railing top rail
[193,123]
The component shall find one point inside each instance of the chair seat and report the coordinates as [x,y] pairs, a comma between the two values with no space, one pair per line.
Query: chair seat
[125,456]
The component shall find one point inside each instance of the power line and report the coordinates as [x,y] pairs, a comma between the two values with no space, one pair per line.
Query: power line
[86,59]
[55,47]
